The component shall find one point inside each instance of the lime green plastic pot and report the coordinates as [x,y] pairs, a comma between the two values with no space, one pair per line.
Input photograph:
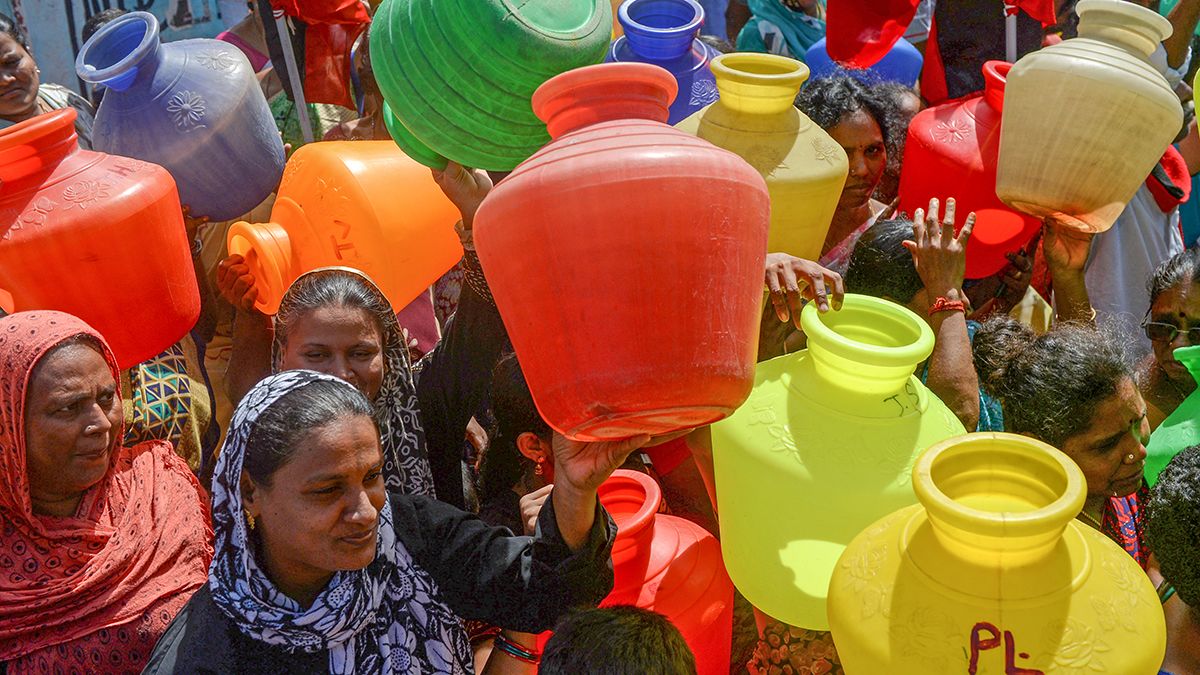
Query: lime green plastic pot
[1181,429]
[823,447]
[458,74]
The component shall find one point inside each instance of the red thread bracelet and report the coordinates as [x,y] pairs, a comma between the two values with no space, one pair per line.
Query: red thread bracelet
[944,304]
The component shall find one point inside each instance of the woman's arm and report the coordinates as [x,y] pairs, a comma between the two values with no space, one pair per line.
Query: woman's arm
[453,380]
[952,374]
[1067,253]
[941,259]
[250,359]
[1183,18]
[487,573]
[523,583]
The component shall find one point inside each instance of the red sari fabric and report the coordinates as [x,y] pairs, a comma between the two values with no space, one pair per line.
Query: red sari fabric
[92,592]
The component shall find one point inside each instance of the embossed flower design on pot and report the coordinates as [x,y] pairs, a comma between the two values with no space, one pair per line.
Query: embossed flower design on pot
[1080,649]
[217,60]
[35,216]
[703,92]
[863,569]
[862,578]
[952,131]
[187,110]
[826,151]
[923,634]
[85,192]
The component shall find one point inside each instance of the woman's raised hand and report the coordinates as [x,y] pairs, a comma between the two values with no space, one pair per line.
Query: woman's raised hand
[465,188]
[235,283]
[939,254]
[584,466]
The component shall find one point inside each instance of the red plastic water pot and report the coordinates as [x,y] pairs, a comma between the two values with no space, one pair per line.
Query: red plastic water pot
[626,258]
[94,235]
[952,151]
[671,566]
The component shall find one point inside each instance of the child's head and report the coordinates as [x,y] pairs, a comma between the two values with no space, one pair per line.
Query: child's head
[616,641]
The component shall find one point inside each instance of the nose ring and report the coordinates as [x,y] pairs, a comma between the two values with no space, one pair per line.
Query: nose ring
[1129,458]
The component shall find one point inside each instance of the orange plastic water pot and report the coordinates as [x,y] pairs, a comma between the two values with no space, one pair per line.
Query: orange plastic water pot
[359,204]
[94,235]
[626,258]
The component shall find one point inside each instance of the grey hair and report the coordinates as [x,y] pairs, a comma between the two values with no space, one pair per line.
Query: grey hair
[1180,269]
[1051,384]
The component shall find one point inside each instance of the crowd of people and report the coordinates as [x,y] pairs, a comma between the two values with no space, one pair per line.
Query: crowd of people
[355,487]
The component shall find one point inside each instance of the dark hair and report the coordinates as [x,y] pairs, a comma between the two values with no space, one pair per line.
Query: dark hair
[1173,524]
[515,414]
[1049,385]
[95,21]
[616,641]
[830,100]
[1179,269]
[331,288]
[880,266]
[285,422]
[898,133]
[9,28]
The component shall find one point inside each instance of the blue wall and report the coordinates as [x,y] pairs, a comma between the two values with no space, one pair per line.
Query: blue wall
[54,26]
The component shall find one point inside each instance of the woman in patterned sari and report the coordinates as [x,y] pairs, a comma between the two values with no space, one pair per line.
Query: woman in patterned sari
[101,543]
[319,567]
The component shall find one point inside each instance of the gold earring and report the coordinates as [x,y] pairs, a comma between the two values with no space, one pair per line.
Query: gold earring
[250,521]
[539,469]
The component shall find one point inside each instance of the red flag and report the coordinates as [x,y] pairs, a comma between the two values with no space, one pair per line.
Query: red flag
[860,32]
[331,27]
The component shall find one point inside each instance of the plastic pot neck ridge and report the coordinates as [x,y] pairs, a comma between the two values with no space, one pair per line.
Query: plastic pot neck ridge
[603,93]
[867,350]
[1124,24]
[998,496]
[1190,358]
[632,499]
[660,30]
[995,75]
[31,149]
[121,50]
[762,84]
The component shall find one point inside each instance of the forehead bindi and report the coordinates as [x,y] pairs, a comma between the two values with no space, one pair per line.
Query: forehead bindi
[1116,413]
